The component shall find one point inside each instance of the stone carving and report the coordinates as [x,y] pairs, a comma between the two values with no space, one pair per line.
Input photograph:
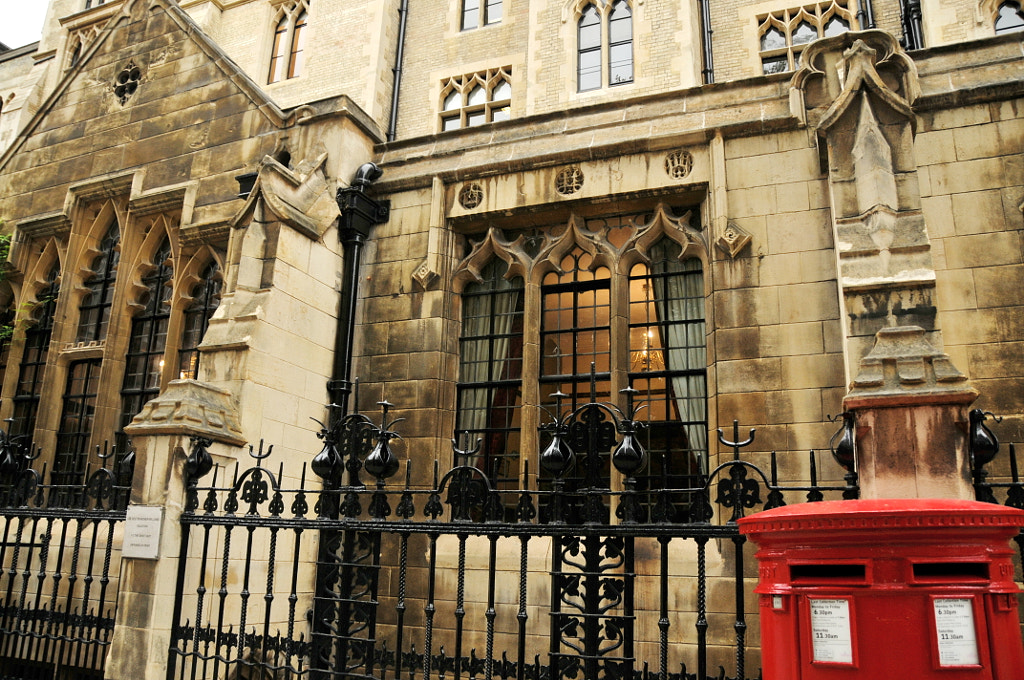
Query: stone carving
[471,196]
[127,82]
[569,180]
[733,240]
[678,164]
[857,90]
[524,253]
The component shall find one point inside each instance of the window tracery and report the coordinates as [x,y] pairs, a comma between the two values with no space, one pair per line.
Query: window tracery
[649,264]
[784,34]
[476,98]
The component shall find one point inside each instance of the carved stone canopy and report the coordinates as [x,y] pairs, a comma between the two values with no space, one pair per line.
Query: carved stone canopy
[834,70]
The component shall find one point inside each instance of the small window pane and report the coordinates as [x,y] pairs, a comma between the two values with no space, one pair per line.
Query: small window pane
[476,96]
[621,64]
[836,26]
[590,29]
[493,12]
[804,33]
[501,91]
[774,65]
[476,118]
[620,24]
[500,114]
[590,71]
[773,39]
[453,101]
[470,14]
[451,123]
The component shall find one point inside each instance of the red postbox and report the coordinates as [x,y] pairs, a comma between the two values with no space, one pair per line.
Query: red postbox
[906,588]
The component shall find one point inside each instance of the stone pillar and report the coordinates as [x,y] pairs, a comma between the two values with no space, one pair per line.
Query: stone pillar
[160,434]
[910,406]
[857,91]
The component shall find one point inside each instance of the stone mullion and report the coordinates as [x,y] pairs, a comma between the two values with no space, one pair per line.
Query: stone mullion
[531,414]
[619,322]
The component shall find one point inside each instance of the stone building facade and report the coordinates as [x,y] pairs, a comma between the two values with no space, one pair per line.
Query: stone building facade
[717,204]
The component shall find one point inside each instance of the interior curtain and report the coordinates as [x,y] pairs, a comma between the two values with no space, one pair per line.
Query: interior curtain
[489,319]
[679,297]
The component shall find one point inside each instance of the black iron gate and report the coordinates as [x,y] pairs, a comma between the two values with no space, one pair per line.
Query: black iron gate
[60,551]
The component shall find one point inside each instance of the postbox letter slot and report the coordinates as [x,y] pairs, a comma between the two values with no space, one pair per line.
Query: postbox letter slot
[951,571]
[827,572]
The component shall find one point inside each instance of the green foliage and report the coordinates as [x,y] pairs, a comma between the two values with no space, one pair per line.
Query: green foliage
[7,326]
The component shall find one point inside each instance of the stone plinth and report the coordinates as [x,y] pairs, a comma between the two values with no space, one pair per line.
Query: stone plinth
[910,405]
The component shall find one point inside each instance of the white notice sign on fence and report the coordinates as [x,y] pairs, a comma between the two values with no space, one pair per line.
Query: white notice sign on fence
[142,532]
[954,630]
[830,631]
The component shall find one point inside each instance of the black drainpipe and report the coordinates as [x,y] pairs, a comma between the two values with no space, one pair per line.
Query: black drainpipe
[865,15]
[708,72]
[403,14]
[359,213]
[913,29]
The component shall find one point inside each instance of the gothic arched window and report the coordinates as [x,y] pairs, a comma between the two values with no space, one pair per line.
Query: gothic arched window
[205,299]
[144,361]
[608,34]
[94,310]
[659,350]
[288,45]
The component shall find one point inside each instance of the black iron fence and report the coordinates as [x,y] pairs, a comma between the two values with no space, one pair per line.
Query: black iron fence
[60,550]
[1008,487]
[333,569]
[455,578]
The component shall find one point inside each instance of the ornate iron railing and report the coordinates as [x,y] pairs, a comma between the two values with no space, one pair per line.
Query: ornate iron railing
[984,446]
[434,581]
[59,565]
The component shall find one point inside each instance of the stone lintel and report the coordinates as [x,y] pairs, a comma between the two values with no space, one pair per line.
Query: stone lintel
[190,408]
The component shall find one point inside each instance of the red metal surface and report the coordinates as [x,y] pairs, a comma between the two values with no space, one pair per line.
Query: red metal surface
[888,589]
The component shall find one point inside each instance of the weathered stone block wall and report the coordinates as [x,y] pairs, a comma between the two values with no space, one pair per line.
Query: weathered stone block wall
[778,336]
[972,188]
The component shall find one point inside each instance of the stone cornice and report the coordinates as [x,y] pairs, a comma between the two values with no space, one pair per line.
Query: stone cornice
[683,117]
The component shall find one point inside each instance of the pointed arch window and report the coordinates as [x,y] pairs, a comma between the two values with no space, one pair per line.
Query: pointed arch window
[34,356]
[205,299]
[144,360]
[660,351]
[1010,18]
[620,44]
[610,35]
[288,44]
[94,310]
